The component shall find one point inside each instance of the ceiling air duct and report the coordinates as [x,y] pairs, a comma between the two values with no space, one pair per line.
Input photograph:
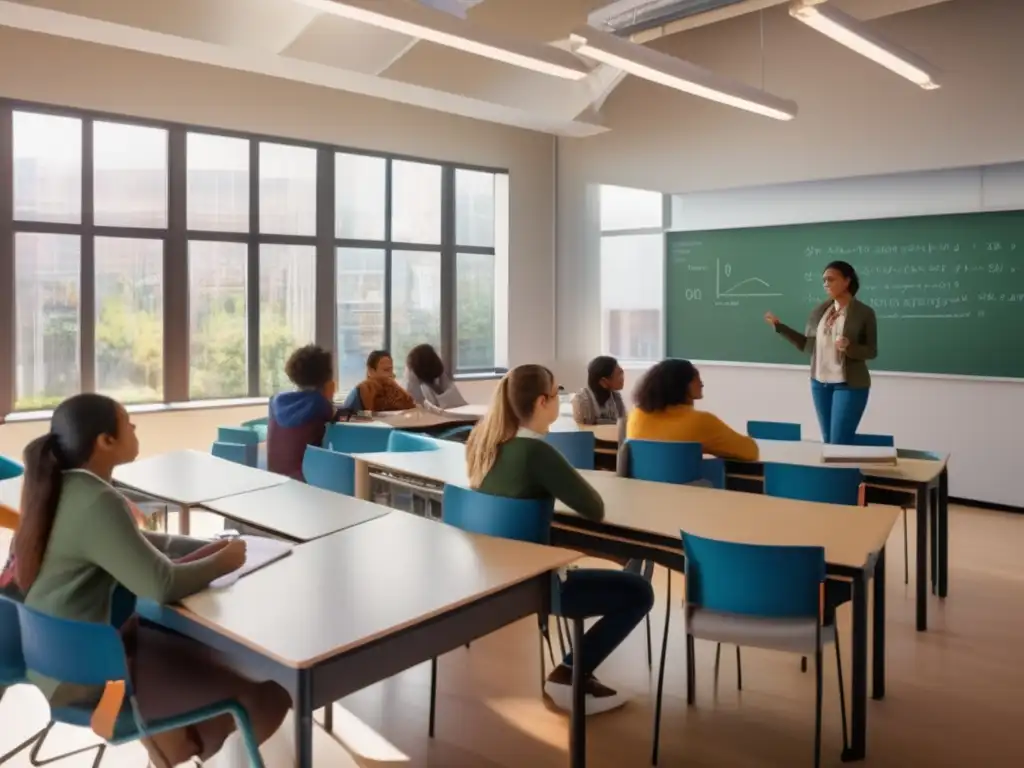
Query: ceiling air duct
[628,17]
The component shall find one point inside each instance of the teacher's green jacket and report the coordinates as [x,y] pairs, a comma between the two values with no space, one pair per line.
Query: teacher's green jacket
[860,328]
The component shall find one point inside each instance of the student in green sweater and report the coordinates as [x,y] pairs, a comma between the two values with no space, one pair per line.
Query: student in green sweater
[78,552]
[507,456]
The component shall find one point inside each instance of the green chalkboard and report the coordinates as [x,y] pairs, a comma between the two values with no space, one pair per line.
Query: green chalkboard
[948,290]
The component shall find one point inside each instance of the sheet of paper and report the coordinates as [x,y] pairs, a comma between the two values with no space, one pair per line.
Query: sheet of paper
[259,551]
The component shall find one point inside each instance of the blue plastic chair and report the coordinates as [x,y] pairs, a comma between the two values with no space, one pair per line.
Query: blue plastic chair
[356,438]
[88,654]
[242,435]
[329,470]
[882,441]
[237,452]
[713,472]
[828,485]
[760,596]
[353,401]
[12,666]
[664,462]
[259,426]
[774,430]
[408,442]
[10,468]
[577,447]
[518,519]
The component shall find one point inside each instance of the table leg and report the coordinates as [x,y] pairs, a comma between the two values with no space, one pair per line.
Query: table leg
[303,711]
[933,521]
[578,724]
[944,533]
[184,519]
[922,559]
[329,718]
[878,627]
[859,714]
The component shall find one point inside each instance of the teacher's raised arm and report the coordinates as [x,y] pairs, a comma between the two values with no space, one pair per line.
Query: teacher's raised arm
[841,334]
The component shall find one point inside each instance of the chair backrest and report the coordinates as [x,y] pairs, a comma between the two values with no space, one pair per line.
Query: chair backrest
[713,471]
[260,422]
[10,468]
[577,447]
[519,519]
[882,441]
[753,580]
[829,485]
[407,442]
[236,452]
[353,401]
[356,438]
[774,430]
[78,652]
[242,435]
[329,470]
[664,462]
[12,659]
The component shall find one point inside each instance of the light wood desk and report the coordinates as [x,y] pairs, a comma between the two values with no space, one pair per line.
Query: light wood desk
[643,520]
[189,478]
[296,511]
[358,606]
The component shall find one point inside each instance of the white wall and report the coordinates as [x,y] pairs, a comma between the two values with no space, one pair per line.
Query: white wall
[856,119]
[58,71]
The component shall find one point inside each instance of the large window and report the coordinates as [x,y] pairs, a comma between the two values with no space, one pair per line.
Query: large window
[158,263]
[632,273]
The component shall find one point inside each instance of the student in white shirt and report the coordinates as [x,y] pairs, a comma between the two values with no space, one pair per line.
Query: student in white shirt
[600,402]
[428,382]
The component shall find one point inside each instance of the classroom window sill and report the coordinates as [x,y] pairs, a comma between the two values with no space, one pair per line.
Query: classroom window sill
[20,417]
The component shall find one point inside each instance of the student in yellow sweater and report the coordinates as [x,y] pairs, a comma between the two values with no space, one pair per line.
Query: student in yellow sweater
[664,410]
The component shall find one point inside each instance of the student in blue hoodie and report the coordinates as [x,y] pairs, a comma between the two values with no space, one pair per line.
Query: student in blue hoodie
[300,418]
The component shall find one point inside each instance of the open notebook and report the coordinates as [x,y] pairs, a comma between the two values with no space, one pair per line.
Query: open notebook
[857,454]
[259,551]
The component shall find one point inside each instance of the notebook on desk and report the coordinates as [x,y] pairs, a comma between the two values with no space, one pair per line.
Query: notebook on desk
[259,552]
[858,454]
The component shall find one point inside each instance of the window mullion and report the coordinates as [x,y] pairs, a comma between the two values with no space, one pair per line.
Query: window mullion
[176,272]
[87,274]
[449,310]
[7,297]
[326,302]
[388,185]
[252,275]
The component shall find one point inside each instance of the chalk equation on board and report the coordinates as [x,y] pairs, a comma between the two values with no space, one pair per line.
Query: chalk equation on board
[750,288]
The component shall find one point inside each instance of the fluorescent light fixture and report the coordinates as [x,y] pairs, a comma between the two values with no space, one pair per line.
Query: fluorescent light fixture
[855,35]
[428,23]
[648,64]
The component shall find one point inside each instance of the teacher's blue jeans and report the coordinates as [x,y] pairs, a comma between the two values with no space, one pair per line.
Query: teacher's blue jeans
[839,409]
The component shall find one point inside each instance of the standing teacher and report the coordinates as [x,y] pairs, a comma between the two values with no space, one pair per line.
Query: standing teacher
[841,336]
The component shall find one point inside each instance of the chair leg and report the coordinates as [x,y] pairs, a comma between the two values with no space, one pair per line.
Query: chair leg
[650,655]
[691,671]
[545,632]
[433,695]
[24,745]
[803,663]
[739,670]
[661,676]
[842,693]
[329,718]
[34,759]
[906,550]
[543,676]
[817,708]
[561,637]
[718,660]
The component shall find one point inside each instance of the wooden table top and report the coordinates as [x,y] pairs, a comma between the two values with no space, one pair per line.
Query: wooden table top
[347,589]
[190,478]
[297,511]
[808,453]
[848,534]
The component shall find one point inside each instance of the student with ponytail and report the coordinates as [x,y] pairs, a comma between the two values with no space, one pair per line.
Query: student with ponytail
[77,544]
[506,455]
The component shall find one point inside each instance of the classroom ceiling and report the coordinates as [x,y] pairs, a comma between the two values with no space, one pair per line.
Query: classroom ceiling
[287,39]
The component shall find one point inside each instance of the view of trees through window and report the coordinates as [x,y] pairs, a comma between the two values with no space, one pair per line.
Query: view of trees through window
[245,259]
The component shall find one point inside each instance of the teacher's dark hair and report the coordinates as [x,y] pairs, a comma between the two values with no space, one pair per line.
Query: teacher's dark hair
[846,270]
[602,367]
[74,428]
[664,385]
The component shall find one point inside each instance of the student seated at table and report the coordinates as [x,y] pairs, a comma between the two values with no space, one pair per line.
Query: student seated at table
[664,410]
[77,543]
[506,455]
[379,391]
[300,418]
[600,402]
[427,381]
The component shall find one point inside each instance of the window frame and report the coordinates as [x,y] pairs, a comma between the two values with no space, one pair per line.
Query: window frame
[176,237]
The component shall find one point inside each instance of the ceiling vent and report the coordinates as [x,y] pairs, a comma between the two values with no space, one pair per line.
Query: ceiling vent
[627,17]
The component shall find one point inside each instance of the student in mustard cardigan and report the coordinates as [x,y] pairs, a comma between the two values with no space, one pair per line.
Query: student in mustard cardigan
[77,543]
[506,455]
[664,410]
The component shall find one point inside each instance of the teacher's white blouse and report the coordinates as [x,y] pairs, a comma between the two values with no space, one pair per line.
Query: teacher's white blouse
[828,361]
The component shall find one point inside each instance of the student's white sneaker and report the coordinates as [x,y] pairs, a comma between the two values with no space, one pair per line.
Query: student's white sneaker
[598,698]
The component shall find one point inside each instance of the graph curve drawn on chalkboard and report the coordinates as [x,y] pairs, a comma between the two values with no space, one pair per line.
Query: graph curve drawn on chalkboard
[733,293]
